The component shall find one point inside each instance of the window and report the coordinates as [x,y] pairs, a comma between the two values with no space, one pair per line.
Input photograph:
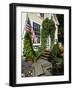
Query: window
[42,15]
[36,29]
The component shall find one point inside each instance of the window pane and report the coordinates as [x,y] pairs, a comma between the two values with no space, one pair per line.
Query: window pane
[36,29]
[42,15]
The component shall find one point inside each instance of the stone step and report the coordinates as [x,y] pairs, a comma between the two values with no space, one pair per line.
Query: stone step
[46,52]
[44,58]
[44,55]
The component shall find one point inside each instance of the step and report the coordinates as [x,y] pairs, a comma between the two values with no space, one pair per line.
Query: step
[47,50]
[44,58]
[45,55]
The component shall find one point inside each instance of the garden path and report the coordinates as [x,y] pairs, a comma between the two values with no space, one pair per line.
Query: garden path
[42,66]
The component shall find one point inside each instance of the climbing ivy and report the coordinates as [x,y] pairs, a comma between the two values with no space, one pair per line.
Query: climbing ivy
[52,31]
[48,28]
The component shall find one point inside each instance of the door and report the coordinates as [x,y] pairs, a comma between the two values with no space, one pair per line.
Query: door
[48,44]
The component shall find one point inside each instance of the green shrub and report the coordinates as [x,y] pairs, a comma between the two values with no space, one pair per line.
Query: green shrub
[55,50]
[58,66]
[28,51]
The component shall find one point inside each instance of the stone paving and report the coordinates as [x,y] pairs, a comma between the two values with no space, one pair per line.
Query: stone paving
[42,67]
